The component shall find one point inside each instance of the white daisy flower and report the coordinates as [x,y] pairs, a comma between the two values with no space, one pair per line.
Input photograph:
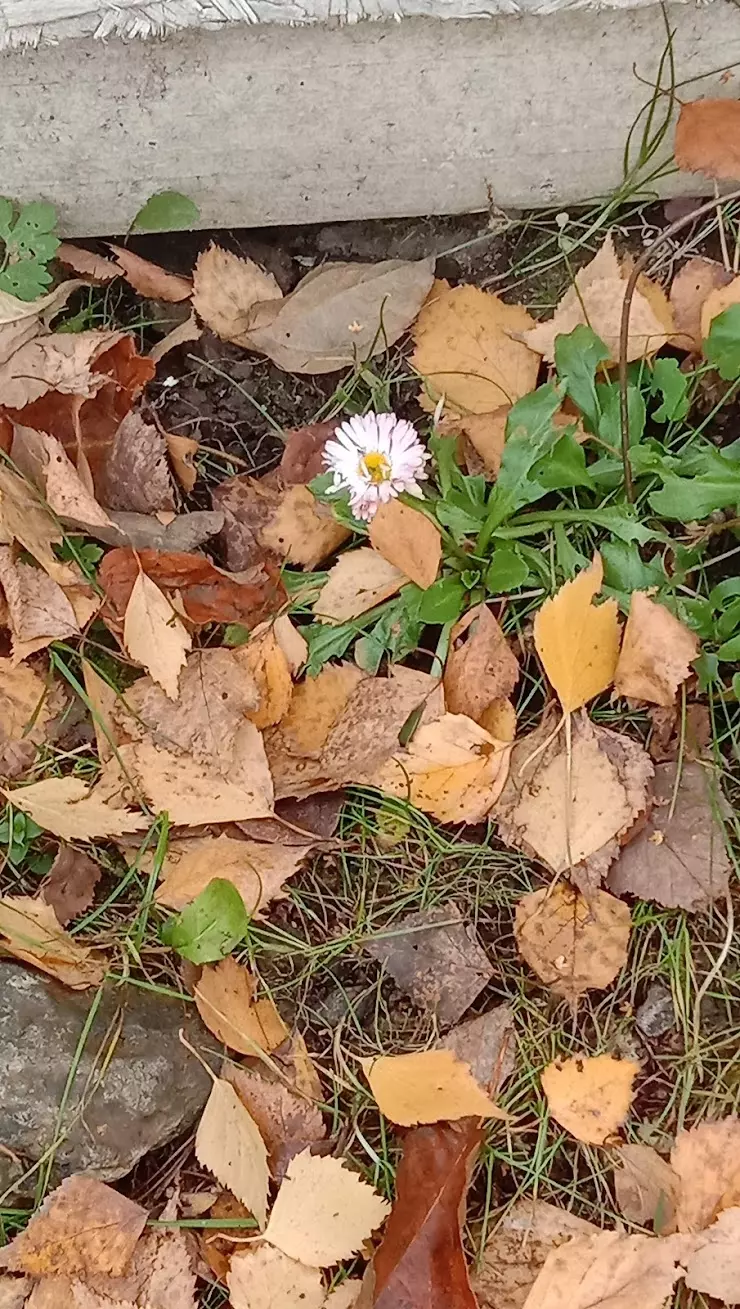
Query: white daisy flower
[375,458]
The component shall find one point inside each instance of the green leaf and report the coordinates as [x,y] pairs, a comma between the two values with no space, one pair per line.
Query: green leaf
[625,570]
[530,434]
[729,621]
[722,346]
[167,211]
[461,521]
[32,235]
[369,652]
[322,488]
[211,926]
[236,634]
[569,560]
[563,467]
[729,651]
[697,614]
[7,213]
[26,280]
[724,591]
[688,499]
[507,571]
[707,670]
[443,601]
[325,643]
[736,685]
[444,453]
[577,356]
[673,385]
[620,520]
[610,423]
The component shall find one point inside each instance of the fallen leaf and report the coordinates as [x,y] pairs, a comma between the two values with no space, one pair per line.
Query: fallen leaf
[303,456]
[420,1261]
[258,870]
[42,459]
[690,288]
[340,314]
[224,998]
[287,1122]
[323,1212]
[58,362]
[70,886]
[344,1296]
[182,450]
[706,1161]
[708,138]
[235,786]
[209,595]
[288,523]
[657,651]
[64,806]
[148,279]
[359,580]
[409,540]
[435,957]
[679,858]
[183,534]
[136,477]
[577,641]
[590,1096]
[499,720]
[228,1143]
[572,943]
[39,611]
[483,439]
[714,1267]
[610,1270]
[87,263]
[516,1251]
[465,350]
[226,290]
[265,660]
[265,1278]
[13,1292]
[299,1067]
[487,1045]
[427,1087]
[154,636]
[25,519]
[83,1227]
[721,298]
[180,335]
[596,300]
[480,667]
[31,931]
[25,704]
[310,821]
[577,829]
[646,1187]
[160,1275]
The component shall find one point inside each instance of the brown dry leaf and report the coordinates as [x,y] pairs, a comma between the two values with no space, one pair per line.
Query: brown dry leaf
[359,580]
[434,957]
[154,636]
[58,362]
[25,704]
[723,297]
[706,1161]
[610,1270]
[64,806]
[224,997]
[317,704]
[714,1267]
[180,335]
[516,1251]
[261,517]
[298,1065]
[408,540]
[590,1096]
[646,1188]
[657,651]
[182,450]
[287,1122]
[690,288]
[70,886]
[30,930]
[228,1143]
[151,281]
[265,1278]
[226,290]
[487,1044]
[263,657]
[679,858]
[596,300]
[42,459]
[39,611]
[303,456]
[580,830]
[25,519]
[577,641]
[216,1244]
[258,870]
[323,1212]
[87,263]
[465,351]
[160,1275]
[483,439]
[428,1086]
[451,768]
[480,667]
[83,1227]
[234,787]
[135,477]
[708,138]
[572,943]
[208,594]
[340,314]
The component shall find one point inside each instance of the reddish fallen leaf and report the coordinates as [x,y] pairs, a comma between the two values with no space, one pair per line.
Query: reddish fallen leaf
[708,138]
[150,279]
[208,594]
[70,886]
[420,1263]
[303,456]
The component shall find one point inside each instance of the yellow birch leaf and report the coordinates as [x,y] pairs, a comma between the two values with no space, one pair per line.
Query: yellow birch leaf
[572,943]
[84,1227]
[154,636]
[427,1086]
[265,1278]
[590,1096]
[324,1212]
[257,869]
[706,1160]
[265,660]
[359,580]
[610,1270]
[64,806]
[406,538]
[228,1143]
[577,641]
[224,997]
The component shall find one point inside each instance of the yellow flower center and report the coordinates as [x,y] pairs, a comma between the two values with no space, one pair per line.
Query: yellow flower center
[376,466]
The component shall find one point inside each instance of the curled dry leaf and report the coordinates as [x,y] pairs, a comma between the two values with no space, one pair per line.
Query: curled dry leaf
[708,138]
[646,1187]
[182,450]
[229,1144]
[136,476]
[714,1267]
[85,262]
[209,595]
[516,1251]
[151,281]
[483,439]
[323,1212]
[83,1227]
[481,667]
[263,1276]
[657,650]
[409,540]
[266,661]
[154,636]
[465,350]
[610,1270]
[263,518]
[590,1096]
[64,806]
[679,858]
[226,289]
[180,335]
[706,1161]
[578,641]
[224,996]
[70,886]
[258,871]
[31,931]
[427,1087]
[287,1122]
[572,943]
[359,580]
[690,289]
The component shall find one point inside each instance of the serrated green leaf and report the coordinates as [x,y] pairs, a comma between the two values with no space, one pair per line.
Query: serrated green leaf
[443,601]
[530,434]
[626,571]
[369,653]
[507,571]
[577,357]
[722,346]
[325,643]
[211,926]
[26,280]
[32,234]
[167,211]
[673,385]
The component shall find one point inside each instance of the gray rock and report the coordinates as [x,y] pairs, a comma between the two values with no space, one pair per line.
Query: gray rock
[656,1015]
[118,1108]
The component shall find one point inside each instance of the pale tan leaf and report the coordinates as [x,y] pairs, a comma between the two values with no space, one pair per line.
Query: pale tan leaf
[465,352]
[30,930]
[590,1096]
[572,943]
[359,580]
[224,996]
[706,1160]
[323,1212]
[182,451]
[257,869]
[483,438]
[264,660]
[64,806]
[180,335]
[646,1187]
[300,530]
[657,651]
[193,792]
[481,667]
[226,289]
[287,1121]
[102,699]
[87,263]
[516,1251]
[26,519]
[409,540]
[610,1270]
[317,704]
[154,636]
[428,1086]
[714,1268]
[160,1275]
[56,361]
[344,1296]
[577,641]
[151,281]
[42,459]
[293,645]
[228,1143]
[39,612]
[83,1227]
[265,1278]
[691,288]
[718,300]
[13,1292]
[708,138]
[24,703]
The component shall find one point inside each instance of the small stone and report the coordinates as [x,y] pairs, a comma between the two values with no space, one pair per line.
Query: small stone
[656,1015]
